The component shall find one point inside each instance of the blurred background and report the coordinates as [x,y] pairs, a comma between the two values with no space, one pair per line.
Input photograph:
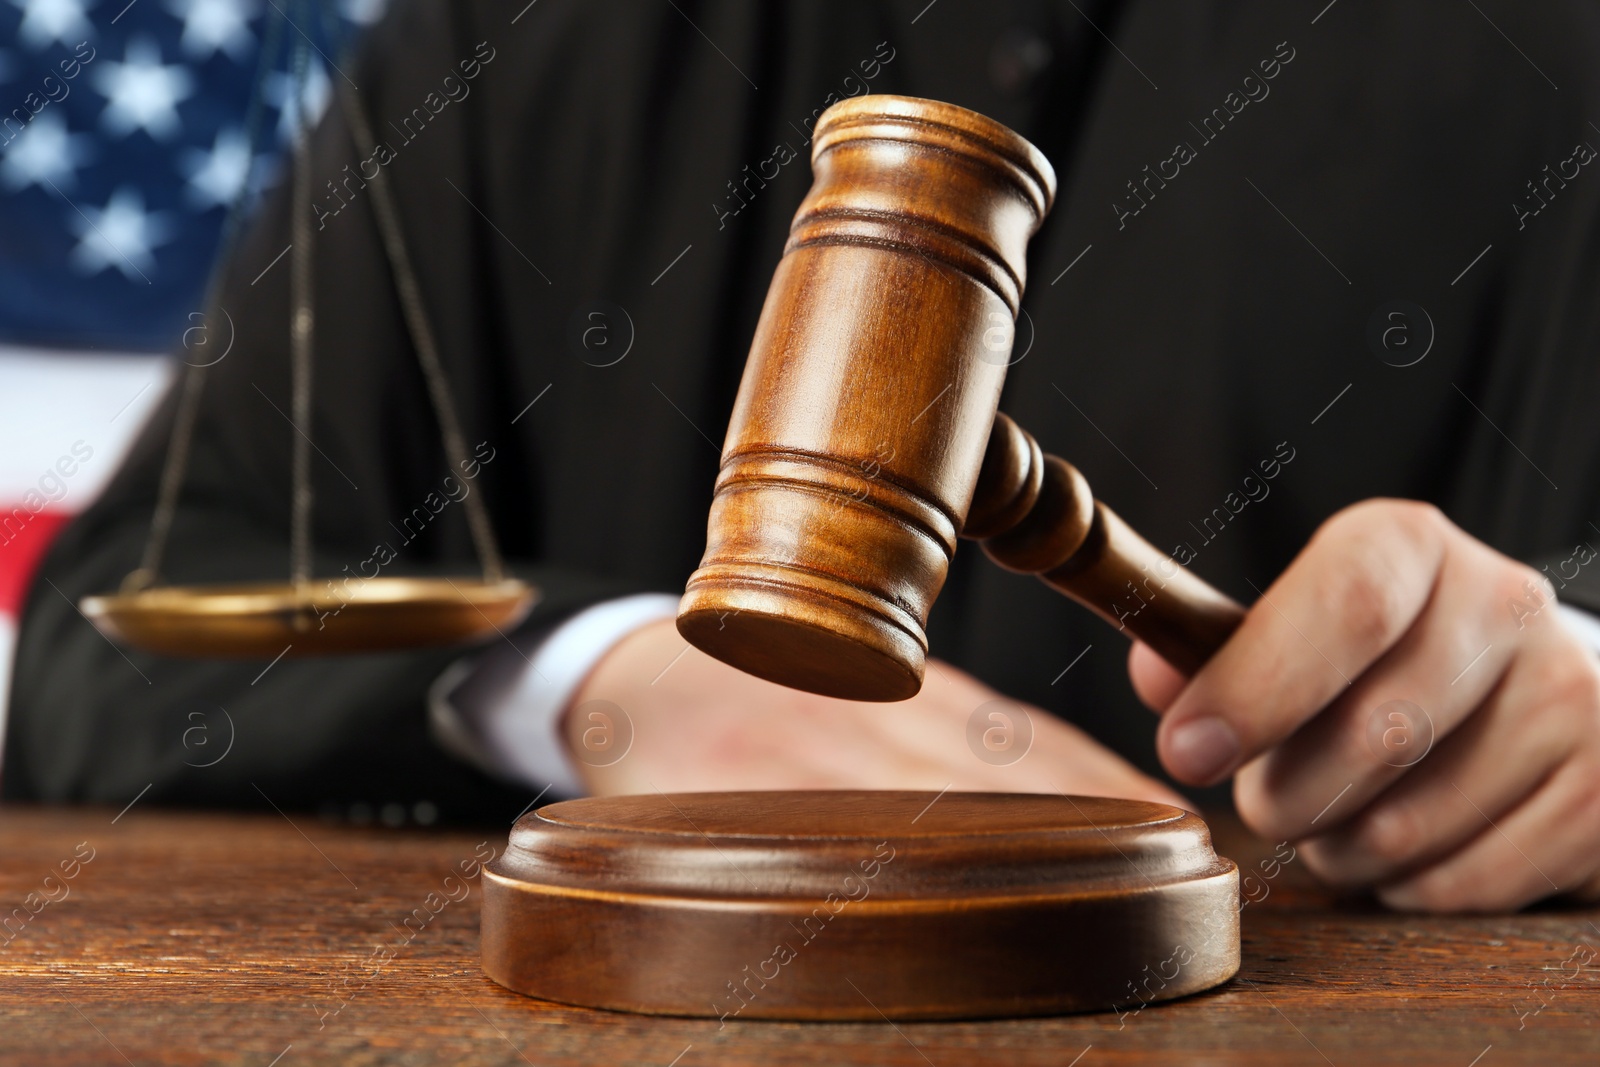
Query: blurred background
[127,136]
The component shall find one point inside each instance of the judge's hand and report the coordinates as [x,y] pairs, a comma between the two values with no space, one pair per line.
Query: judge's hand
[1408,702]
[698,724]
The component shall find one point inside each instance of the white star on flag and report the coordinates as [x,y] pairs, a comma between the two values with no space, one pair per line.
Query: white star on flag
[280,90]
[363,12]
[47,21]
[143,92]
[45,153]
[210,26]
[215,177]
[121,234]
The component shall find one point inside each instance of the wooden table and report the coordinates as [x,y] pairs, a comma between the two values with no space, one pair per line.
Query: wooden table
[225,939]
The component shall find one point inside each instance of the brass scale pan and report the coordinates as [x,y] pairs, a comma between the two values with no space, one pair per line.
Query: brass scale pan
[261,620]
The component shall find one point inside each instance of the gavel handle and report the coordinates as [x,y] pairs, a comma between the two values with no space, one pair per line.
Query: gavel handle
[1035,514]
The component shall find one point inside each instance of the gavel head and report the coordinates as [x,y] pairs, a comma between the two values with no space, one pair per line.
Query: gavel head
[868,398]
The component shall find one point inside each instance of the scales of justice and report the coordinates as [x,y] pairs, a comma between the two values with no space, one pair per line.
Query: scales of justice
[824,554]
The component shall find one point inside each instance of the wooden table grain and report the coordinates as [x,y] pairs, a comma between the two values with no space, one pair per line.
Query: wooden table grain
[160,937]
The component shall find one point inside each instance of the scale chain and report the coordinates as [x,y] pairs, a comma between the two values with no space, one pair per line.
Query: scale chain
[422,336]
[176,466]
[302,324]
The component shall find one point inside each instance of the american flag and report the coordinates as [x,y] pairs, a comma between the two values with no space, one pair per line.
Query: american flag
[123,143]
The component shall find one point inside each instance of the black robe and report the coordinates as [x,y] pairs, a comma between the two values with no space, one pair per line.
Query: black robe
[1245,191]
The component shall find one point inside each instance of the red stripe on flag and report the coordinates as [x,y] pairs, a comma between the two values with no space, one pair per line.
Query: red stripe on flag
[24,536]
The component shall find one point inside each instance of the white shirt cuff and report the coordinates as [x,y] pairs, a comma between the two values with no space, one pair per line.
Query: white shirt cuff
[502,709]
[1581,623]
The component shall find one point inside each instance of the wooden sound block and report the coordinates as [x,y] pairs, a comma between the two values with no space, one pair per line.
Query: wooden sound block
[859,905]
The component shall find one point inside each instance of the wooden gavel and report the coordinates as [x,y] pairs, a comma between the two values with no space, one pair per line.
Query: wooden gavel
[864,440]
[866,437]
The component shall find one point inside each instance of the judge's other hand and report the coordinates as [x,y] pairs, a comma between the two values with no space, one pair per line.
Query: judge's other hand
[698,724]
[1409,703]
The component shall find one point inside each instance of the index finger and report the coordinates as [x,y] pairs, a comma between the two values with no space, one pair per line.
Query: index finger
[1345,600]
